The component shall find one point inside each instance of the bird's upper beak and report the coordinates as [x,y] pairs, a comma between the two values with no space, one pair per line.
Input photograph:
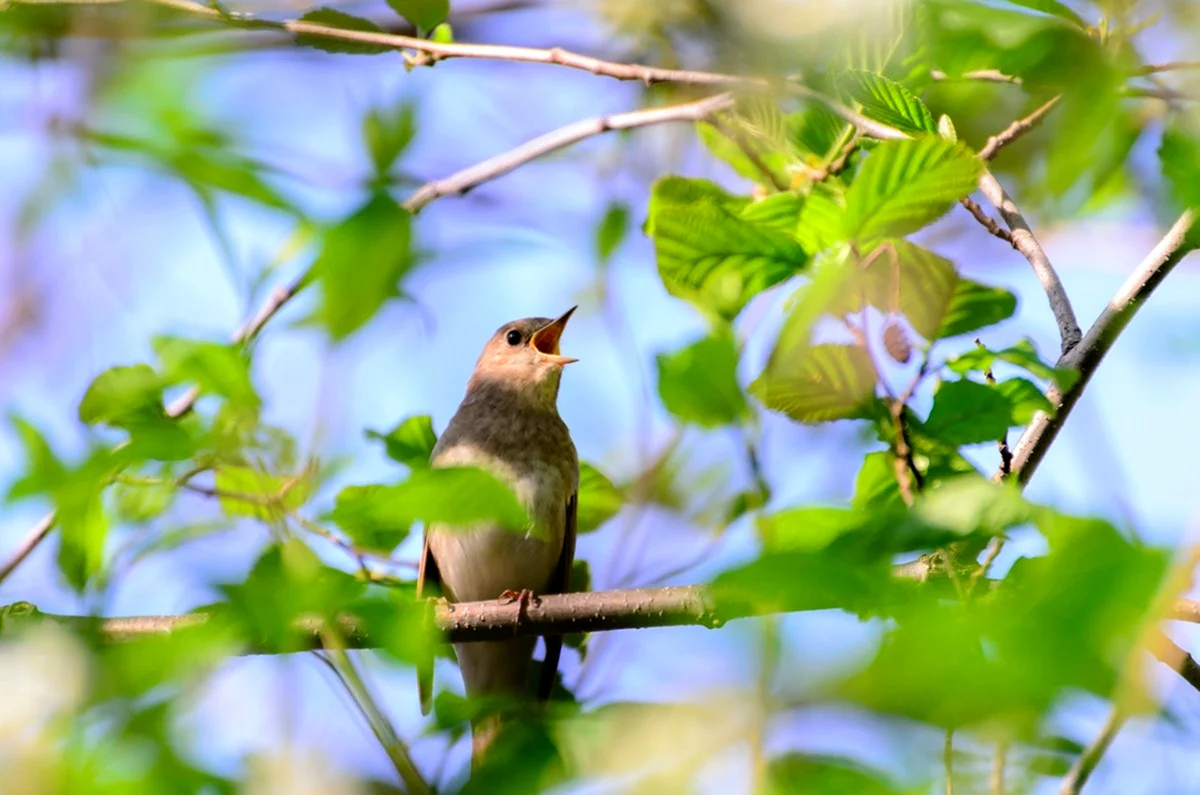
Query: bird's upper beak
[545,340]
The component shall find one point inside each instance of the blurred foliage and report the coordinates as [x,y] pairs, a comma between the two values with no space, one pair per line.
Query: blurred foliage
[835,221]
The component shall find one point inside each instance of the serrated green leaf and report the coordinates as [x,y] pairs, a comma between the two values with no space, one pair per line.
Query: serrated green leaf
[819,225]
[815,131]
[373,517]
[974,306]
[965,412]
[411,442]
[779,211]
[904,185]
[1022,354]
[698,384]
[818,384]
[889,102]
[611,230]
[707,254]
[361,262]
[332,18]
[599,499]
[899,277]
[424,15]
[216,368]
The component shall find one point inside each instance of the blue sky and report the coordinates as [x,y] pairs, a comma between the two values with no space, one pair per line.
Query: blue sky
[127,255]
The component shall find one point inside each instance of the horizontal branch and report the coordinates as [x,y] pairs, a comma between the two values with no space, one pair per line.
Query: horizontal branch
[563,137]
[497,619]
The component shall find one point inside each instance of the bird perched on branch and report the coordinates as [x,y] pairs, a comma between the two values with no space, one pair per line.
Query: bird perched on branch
[508,424]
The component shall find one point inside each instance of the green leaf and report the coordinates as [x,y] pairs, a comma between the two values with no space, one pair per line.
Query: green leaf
[43,470]
[207,169]
[899,277]
[1180,157]
[387,133]
[1054,8]
[779,211]
[875,487]
[710,256]
[599,499]
[796,772]
[974,306]
[461,497]
[889,102]
[123,397]
[815,131]
[332,18]
[819,225]
[1024,400]
[362,260]
[965,412]
[698,384]
[425,15]
[905,185]
[374,517]
[141,502]
[611,231]
[245,491]
[974,504]
[1023,354]
[216,368]
[945,128]
[818,384]
[808,529]
[411,442]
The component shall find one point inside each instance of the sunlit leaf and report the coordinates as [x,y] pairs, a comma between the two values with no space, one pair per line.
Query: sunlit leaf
[216,368]
[1023,354]
[889,102]
[904,185]
[710,256]
[374,517]
[123,397]
[1024,400]
[424,15]
[965,412]
[818,384]
[245,491]
[974,306]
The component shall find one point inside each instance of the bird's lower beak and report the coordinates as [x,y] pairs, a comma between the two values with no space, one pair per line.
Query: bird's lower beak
[545,340]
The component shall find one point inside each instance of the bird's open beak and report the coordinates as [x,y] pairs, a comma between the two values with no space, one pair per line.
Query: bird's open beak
[545,340]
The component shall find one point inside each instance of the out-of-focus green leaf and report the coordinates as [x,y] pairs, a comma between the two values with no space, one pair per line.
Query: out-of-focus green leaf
[42,469]
[599,499]
[818,384]
[460,497]
[374,517]
[875,486]
[974,306]
[825,775]
[82,521]
[808,529]
[1023,354]
[332,18]
[1024,400]
[208,168]
[123,397]
[779,211]
[139,503]
[387,133]
[899,277]
[216,368]
[889,102]
[1054,8]
[710,256]
[411,442]
[425,15]
[362,260]
[974,504]
[699,384]
[815,131]
[610,232]
[965,412]
[245,491]
[1179,153]
[904,185]
[819,225]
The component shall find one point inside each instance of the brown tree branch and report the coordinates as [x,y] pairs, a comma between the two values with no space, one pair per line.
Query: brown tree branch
[498,619]
[1018,128]
[1081,771]
[1170,654]
[469,178]
[986,221]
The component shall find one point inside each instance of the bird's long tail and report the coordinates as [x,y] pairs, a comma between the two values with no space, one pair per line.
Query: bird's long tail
[496,669]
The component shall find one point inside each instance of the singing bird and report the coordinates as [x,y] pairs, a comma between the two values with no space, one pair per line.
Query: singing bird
[508,424]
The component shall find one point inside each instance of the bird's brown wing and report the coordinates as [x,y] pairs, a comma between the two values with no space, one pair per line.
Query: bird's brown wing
[428,578]
[560,582]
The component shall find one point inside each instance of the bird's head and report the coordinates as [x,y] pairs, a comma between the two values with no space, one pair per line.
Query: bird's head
[522,356]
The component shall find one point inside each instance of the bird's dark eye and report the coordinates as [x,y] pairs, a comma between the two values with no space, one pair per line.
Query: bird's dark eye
[513,337]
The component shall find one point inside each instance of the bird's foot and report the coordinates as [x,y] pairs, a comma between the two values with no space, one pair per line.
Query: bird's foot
[523,598]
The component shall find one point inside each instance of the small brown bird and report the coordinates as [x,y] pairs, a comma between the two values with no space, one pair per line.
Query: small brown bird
[508,424]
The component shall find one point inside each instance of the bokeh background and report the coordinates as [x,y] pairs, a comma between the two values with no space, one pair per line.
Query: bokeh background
[100,250]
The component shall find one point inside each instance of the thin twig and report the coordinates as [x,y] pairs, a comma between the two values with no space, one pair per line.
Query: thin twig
[999,759]
[468,178]
[987,221]
[1018,128]
[381,727]
[1087,761]
[1171,654]
[948,760]
[1169,66]
[984,75]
